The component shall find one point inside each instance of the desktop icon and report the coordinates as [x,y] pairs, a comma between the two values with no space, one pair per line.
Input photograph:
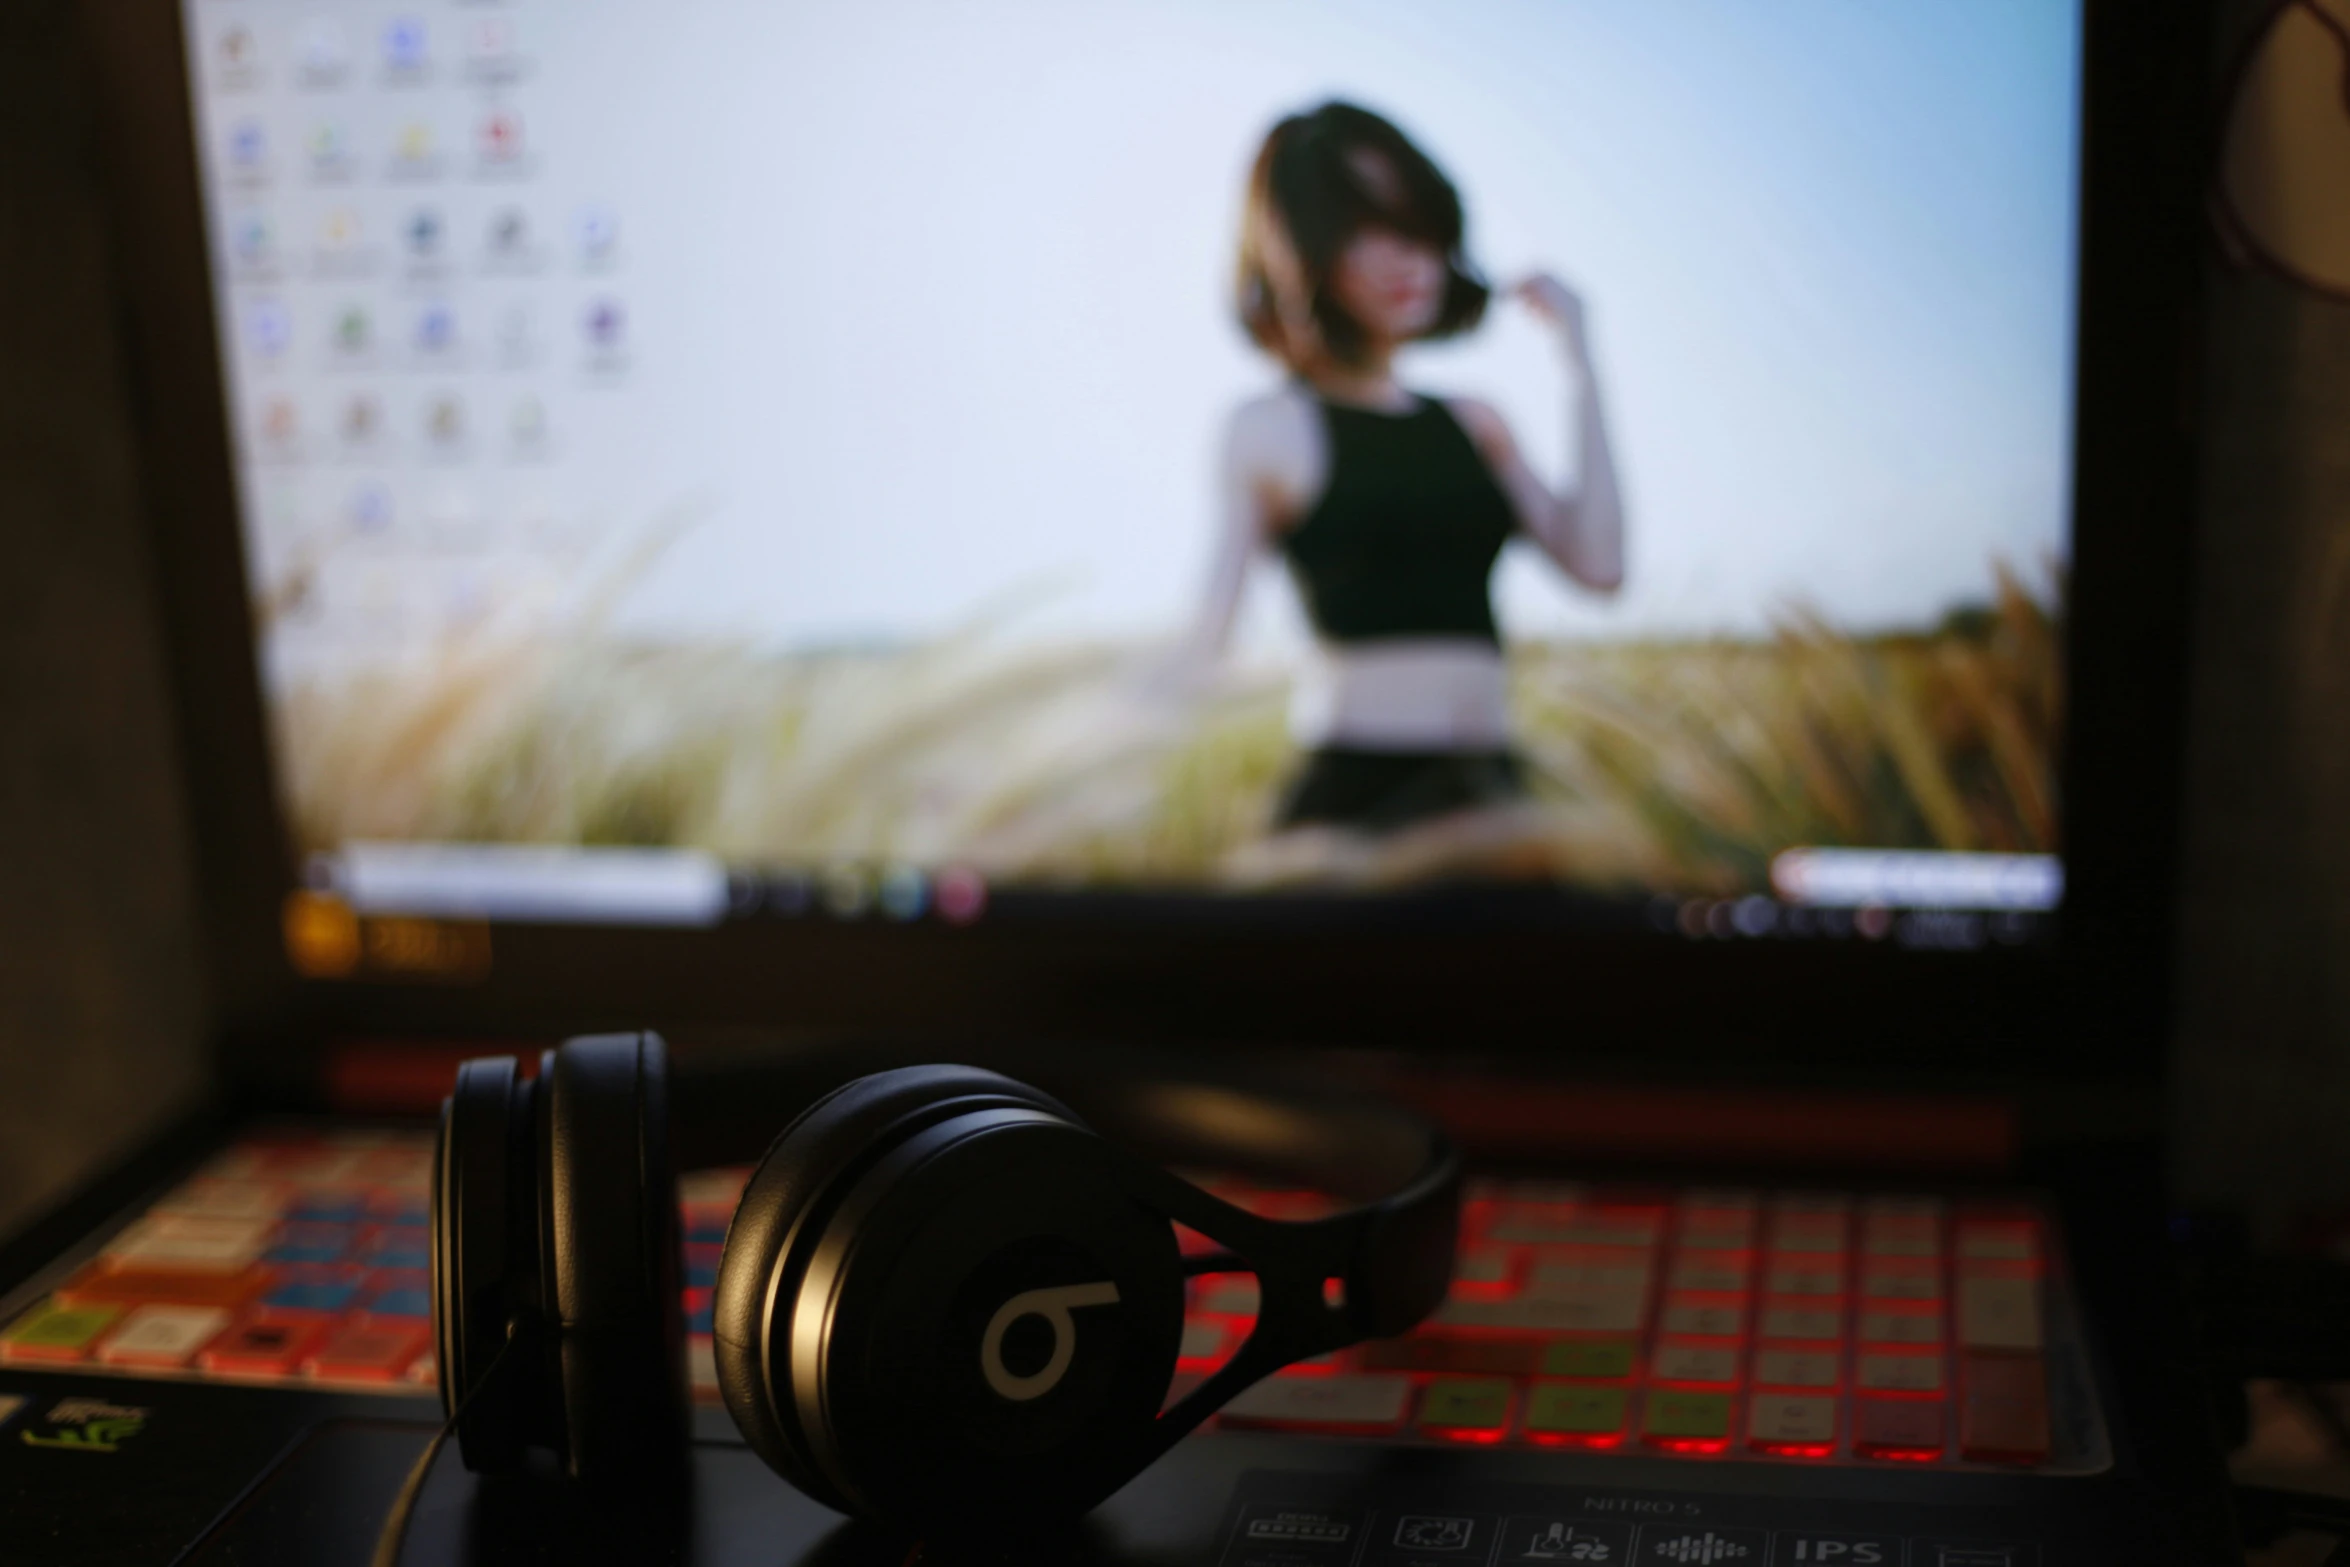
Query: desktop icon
[279,422]
[510,234]
[339,229]
[444,421]
[424,233]
[413,146]
[604,323]
[499,136]
[330,149]
[238,52]
[250,240]
[371,507]
[324,51]
[269,327]
[404,45]
[489,46]
[436,329]
[527,422]
[352,330]
[362,418]
[516,338]
[248,146]
[598,229]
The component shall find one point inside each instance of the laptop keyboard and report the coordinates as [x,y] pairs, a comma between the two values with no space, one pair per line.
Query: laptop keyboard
[1809,1327]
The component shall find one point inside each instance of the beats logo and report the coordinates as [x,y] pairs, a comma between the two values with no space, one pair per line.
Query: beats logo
[1053,1306]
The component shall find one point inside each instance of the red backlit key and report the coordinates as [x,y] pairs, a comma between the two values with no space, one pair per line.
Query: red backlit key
[98,1284]
[2003,1416]
[1908,1429]
[1203,1343]
[374,1353]
[262,1346]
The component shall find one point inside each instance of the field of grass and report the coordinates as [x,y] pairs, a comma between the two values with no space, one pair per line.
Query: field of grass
[1683,766]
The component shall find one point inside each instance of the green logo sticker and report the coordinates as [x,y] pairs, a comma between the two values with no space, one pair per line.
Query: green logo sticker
[87,1425]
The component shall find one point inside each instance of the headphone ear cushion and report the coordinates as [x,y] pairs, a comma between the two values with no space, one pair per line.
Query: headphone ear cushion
[485,1262]
[805,1170]
[613,1256]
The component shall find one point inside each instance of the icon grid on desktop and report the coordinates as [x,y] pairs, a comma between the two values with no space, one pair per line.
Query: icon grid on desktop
[1806,1327]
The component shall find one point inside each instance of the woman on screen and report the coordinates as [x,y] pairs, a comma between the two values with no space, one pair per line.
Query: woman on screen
[1389,506]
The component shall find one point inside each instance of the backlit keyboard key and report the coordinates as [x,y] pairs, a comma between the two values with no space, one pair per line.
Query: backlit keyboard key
[1577,1413]
[1796,1423]
[1597,1360]
[701,1366]
[1686,1422]
[1496,1357]
[1900,1373]
[1703,1319]
[1886,1280]
[162,1336]
[373,1353]
[313,1243]
[1716,1273]
[1803,1322]
[189,1243]
[1809,1237]
[1891,1237]
[1362,1402]
[1900,1327]
[1900,1428]
[1997,1240]
[1705,1365]
[323,1296]
[1999,1313]
[1804,1276]
[406,1301]
[400,1246]
[1203,1342]
[1795,1368]
[99,1285]
[1617,1313]
[54,1333]
[1229,1295]
[2003,1414]
[1483,1269]
[262,1346]
[219,1199]
[1463,1409]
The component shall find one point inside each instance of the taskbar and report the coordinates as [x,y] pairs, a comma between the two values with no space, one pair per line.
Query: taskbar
[1906,898]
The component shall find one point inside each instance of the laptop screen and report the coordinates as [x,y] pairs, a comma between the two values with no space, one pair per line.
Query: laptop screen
[1599,464]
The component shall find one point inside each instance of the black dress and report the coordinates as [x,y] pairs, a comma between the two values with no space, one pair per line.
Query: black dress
[1401,545]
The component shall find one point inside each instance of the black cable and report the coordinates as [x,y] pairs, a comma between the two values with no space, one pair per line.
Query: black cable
[394,1537]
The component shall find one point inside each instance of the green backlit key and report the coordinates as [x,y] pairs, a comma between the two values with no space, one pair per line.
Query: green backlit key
[56,1332]
[1676,1417]
[1595,1360]
[1575,1411]
[1461,1404]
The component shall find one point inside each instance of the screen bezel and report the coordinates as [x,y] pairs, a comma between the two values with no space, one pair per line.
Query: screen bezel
[2093,1004]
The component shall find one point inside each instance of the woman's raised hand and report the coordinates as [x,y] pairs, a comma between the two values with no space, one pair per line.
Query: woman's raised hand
[1559,306]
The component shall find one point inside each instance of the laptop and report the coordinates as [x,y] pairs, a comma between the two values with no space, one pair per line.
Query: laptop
[1614,574]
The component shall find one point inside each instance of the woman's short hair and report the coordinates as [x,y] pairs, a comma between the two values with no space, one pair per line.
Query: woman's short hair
[1308,179]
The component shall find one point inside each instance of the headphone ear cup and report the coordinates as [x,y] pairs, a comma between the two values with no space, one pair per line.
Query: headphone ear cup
[805,1170]
[613,1257]
[484,1262]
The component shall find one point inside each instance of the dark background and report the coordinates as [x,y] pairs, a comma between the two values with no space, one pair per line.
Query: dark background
[99,986]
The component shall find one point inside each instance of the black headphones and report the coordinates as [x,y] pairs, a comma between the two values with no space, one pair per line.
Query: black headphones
[944,1298]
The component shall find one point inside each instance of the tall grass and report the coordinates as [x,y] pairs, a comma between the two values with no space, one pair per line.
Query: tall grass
[1682,766]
